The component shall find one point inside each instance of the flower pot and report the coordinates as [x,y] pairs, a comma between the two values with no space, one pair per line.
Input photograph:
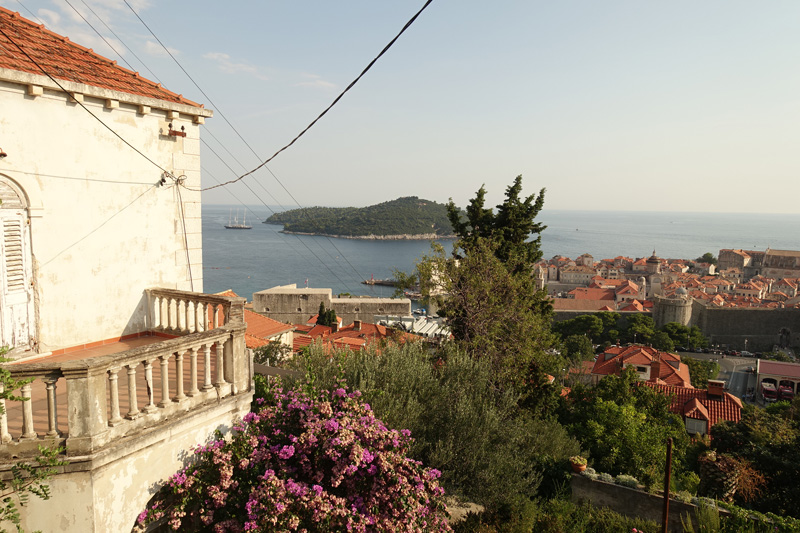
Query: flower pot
[578,468]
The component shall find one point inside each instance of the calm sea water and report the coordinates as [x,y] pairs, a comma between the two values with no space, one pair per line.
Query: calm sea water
[252,260]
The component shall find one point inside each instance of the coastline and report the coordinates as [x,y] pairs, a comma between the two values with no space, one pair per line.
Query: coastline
[401,237]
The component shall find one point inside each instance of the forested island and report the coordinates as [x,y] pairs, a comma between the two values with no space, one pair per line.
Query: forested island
[405,218]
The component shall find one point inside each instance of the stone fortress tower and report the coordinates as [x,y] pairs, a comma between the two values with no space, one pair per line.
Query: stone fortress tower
[677,308]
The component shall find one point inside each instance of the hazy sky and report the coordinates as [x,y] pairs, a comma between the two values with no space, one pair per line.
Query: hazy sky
[610,105]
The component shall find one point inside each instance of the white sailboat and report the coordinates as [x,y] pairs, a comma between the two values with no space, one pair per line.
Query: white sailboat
[235,223]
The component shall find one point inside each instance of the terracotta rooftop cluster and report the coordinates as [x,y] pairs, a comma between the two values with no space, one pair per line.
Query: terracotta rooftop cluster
[665,373]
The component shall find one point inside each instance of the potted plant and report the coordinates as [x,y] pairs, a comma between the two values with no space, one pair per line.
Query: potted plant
[578,463]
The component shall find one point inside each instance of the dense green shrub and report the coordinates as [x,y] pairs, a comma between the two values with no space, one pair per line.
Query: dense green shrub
[488,449]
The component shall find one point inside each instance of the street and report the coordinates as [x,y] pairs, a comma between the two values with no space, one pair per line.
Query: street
[732,369]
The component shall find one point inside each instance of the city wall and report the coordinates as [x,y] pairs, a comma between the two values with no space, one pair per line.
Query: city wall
[760,328]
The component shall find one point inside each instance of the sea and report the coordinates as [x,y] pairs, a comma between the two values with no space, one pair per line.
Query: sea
[249,261]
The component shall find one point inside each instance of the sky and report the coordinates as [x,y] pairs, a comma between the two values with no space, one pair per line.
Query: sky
[612,105]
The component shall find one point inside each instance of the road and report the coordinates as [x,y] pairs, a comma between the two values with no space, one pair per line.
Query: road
[732,370]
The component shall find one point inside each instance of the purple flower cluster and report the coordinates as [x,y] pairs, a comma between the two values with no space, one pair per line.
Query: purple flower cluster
[304,463]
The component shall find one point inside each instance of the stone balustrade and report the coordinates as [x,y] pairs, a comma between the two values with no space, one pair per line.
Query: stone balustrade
[181,312]
[87,404]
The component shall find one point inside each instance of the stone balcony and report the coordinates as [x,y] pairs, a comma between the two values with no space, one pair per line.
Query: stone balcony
[192,355]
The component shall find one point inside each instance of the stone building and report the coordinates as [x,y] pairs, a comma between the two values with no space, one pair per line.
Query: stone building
[289,304]
[102,304]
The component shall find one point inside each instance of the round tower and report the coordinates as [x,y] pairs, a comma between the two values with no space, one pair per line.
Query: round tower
[677,308]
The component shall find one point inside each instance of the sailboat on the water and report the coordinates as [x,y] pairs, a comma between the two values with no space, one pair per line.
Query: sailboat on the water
[234,224]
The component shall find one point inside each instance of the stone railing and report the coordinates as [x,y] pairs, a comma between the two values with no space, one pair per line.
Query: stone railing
[181,313]
[114,396]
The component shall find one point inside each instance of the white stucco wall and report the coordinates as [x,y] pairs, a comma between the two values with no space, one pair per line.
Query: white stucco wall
[109,494]
[95,246]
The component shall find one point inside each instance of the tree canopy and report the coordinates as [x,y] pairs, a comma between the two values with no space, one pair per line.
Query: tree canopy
[326,317]
[486,288]
[512,227]
[707,257]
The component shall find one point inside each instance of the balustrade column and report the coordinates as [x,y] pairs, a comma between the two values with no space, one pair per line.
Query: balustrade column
[5,436]
[162,321]
[165,401]
[169,312]
[148,378]
[179,395]
[179,316]
[113,384]
[197,307]
[52,413]
[207,354]
[188,317]
[28,432]
[133,410]
[193,390]
[220,364]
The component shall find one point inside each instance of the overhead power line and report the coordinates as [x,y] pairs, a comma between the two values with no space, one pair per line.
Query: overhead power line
[109,128]
[335,101]
[121,41]
[99,34]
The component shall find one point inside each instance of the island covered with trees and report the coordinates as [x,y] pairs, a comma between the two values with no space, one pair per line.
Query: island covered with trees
[405,218]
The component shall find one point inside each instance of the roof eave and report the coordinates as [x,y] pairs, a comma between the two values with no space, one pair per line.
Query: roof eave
[28,78]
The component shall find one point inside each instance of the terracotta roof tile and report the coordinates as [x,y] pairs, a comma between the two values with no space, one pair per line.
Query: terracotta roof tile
[264,327]
[671,371]
[696,403]
[65,60]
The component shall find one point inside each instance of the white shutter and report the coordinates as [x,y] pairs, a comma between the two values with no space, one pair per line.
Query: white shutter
[16,293]
[13,254]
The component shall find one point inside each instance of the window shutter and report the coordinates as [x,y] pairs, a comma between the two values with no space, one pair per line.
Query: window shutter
[13,255]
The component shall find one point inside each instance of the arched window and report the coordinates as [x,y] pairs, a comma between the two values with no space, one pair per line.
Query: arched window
[16,296]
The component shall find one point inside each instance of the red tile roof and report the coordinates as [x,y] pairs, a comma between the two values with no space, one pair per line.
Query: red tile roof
[696,403]
[670,369]
[353,336]
[264,327]
[779,368]
[65,60]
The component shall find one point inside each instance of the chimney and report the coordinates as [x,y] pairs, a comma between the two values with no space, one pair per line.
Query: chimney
[655,367]
[335,327]
[716,388]
[357,325]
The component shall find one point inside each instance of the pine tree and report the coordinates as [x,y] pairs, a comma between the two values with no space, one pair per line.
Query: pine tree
[487,290]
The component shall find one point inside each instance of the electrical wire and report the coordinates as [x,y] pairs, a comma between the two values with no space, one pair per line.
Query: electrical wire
[324,112]
[121,41]
[335,101]
[349,288]
[100,35]
[256,195]
[359,278]
[283,237]
[76,178]
[98,227]
[31,12]
[185,238]
[109,128]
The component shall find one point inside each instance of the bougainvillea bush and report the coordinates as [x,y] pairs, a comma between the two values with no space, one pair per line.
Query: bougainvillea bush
[303,462]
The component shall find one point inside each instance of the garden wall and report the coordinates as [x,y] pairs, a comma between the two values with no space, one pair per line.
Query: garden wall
[631,502]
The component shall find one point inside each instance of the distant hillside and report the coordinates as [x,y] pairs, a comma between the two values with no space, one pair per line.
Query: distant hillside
[408,217]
